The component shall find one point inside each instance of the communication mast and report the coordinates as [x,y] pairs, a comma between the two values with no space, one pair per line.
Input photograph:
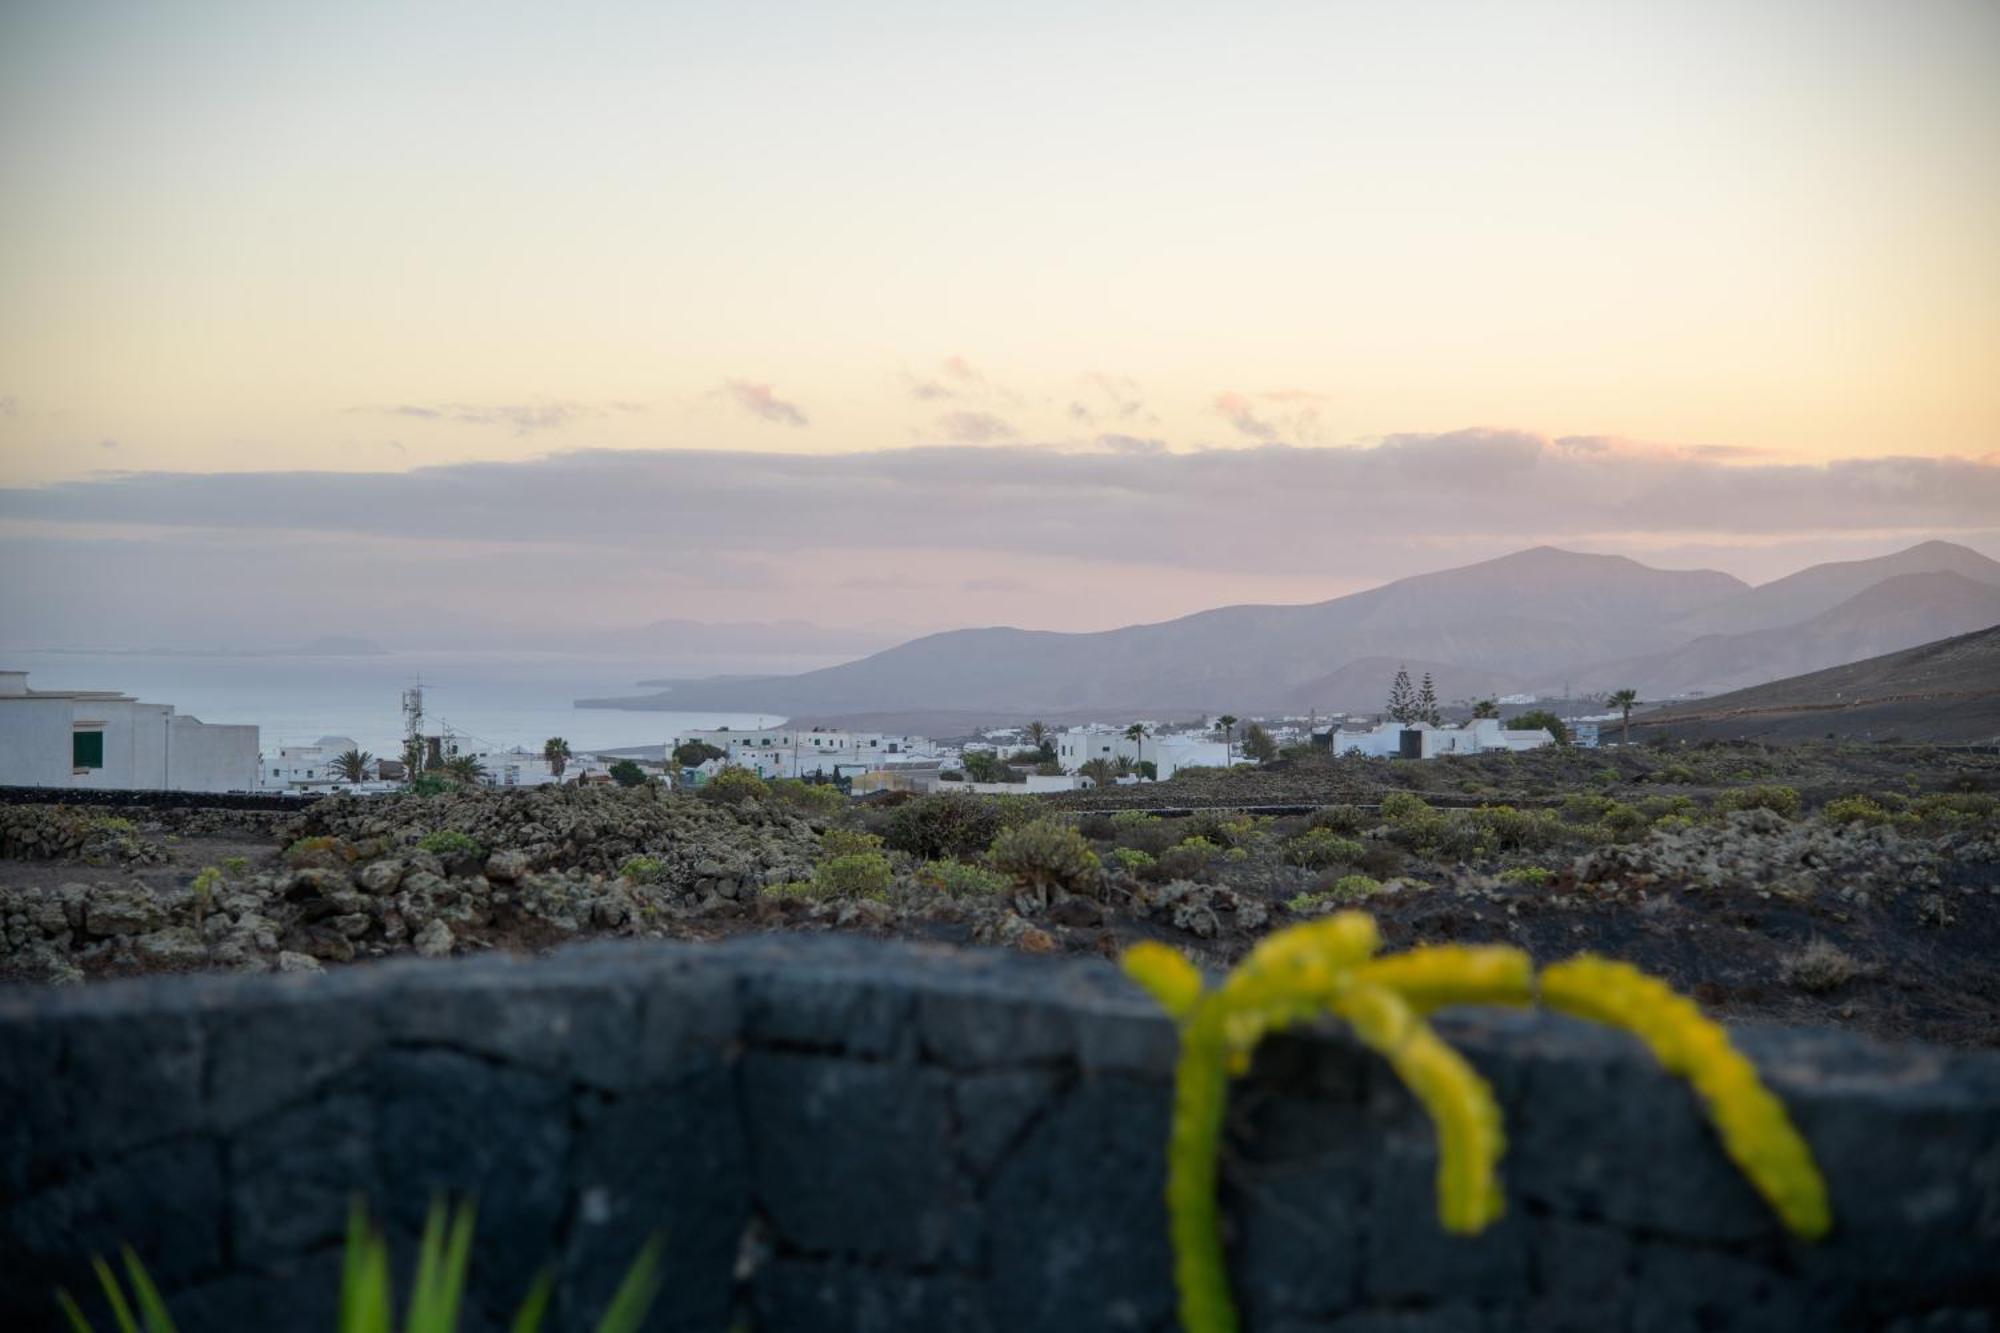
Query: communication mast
[413,721]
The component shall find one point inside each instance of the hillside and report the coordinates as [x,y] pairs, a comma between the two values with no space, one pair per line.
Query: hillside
[1899,612]
[1531,614]
[1947,691]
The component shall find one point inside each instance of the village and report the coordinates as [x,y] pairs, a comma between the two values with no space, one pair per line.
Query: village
[110,741]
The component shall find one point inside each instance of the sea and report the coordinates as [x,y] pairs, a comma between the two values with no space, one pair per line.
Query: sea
[497,700]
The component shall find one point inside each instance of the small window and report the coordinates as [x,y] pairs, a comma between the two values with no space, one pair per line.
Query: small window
[86,749]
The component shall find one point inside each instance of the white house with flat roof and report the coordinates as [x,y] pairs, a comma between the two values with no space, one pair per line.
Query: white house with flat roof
[1420,740]
[1168,754]
[111,741]
[797,752]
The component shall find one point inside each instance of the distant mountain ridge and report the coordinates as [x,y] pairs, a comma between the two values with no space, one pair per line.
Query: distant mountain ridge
[1535,619]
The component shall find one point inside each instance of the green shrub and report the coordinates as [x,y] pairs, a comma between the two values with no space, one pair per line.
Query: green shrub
[1672,824]
[430,784]
[1047,859]
[449,843]
[1781,800]
[791,888]
[1853,810]
[1342,819]
[814,798]
[1131,858]
[734,785]
[1625,821]
[627,773]
[846,842]
[1403,807]
[943,826]
[853,875]
[1318,848]
[1347,889]
[643,869]
[1586,807]
[236,867]
[1533,877]
[960,880]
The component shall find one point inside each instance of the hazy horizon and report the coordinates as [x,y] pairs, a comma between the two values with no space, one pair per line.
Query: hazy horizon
[506,321]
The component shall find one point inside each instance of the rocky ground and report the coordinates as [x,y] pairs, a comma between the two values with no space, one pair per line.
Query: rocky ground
[1857,889]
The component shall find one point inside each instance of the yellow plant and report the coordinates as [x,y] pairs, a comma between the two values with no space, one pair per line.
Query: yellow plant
[1329,966]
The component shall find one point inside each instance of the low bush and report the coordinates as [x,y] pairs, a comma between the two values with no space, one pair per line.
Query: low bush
[1781,800]
[1342,819]
[847,842]
[1046,859]
[1341,892]
[1819,967]
[822,799]
[449,843]
[323,850]
[943,826]
[1853,810]
[642,869]
[853,875]
[1130,859]
[1529,877]
[960,880]
[734,785]
[1318,848]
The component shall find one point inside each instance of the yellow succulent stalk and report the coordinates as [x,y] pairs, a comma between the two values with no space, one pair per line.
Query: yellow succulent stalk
[1755,1130]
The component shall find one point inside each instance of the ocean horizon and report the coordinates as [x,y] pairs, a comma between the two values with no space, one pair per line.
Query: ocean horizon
[495,700]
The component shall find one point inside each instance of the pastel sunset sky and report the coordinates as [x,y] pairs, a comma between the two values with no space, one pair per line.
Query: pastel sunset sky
[937,314]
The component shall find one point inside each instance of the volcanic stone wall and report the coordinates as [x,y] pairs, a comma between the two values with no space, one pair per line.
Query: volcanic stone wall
[839,1134]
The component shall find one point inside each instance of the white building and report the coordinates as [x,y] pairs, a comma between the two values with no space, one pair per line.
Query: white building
[797,752]
[1420,740]
[1168,754]
[107,740]
[308,767]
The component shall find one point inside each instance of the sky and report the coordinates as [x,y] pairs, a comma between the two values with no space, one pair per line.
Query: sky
[511,317]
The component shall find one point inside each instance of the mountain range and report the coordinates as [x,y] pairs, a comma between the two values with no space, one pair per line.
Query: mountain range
[1543,620]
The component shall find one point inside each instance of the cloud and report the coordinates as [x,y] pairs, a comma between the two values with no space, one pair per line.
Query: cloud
[1238,411]
[10,406]
[957,377]
[107,444]
[524,418]
[759,400]
[975,427]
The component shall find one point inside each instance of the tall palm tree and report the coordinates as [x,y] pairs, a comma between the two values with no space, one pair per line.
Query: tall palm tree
[556,750]
[1228,724]
[1037,732]
[1623,701]
[1486,708]
[1136,733]
[353,765]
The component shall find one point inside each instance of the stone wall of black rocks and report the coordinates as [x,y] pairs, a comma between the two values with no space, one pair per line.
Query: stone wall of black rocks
[832,1133]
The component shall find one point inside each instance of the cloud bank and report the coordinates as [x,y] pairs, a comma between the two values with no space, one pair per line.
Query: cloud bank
[1000,521]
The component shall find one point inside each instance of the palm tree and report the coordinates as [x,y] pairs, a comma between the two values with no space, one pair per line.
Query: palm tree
[1486,708]
[1136,733]
[1101,772]
[354,765]
[1623,701]
[1228,724]
[465,768]
[1037,732]
[556,750]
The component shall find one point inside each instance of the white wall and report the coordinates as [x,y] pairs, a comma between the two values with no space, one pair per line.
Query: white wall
[146,746]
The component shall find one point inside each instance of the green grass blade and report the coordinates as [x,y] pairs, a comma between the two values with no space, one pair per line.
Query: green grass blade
[77,1323]
[635,1294]
[113,1295]
[422,1315]
[457,1256]
[528,1319]
[152,1310]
